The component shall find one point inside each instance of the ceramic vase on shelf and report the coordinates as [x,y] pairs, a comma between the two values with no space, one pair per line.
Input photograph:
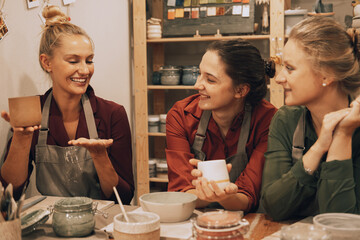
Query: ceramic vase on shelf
[265,25]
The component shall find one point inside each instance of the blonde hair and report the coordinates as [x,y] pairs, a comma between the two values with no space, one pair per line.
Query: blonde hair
[57,25]
[331,50]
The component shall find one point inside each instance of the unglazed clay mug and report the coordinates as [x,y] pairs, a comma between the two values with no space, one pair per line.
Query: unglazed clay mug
[141,226]
[215,170]
[25,111]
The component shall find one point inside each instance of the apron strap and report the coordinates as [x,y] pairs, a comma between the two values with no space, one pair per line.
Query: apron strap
[240,159]
[244,133]
[44,121]
[89,116]
[298,139]
[201,135]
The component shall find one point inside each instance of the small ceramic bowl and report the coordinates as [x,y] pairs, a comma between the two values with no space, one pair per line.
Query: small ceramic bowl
[170,206]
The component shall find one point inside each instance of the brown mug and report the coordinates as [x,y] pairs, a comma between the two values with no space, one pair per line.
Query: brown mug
[25,111]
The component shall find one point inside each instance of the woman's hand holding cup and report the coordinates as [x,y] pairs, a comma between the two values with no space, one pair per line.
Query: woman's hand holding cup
[22,130]
[212,183]
[24,114]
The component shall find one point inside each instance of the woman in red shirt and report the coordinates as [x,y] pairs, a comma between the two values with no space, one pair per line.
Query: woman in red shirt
[231,85]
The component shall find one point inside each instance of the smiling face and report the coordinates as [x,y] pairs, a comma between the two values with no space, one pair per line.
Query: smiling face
[214,85]
[71,65]
[302,86]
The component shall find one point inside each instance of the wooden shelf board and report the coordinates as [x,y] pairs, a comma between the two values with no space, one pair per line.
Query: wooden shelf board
[157,134]
[164,87]
[156,179]
[207,38]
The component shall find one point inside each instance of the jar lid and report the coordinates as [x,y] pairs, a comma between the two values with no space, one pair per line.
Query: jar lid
[169,68]
[162,165]
[73,204]
[154,21]
[219,219]
[193,68]
[153,118]
[163,117]
[152,161]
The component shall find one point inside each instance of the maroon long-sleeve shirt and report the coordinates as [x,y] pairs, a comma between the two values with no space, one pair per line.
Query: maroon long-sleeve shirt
[111,123]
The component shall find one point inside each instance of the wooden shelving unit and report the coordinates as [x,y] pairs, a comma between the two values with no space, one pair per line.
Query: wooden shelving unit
[156,179]
[207,38]
[159,134]
[164,87]
[141,87]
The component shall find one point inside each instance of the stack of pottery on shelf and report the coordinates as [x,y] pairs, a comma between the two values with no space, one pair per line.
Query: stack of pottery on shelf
[154,28]
[292,17]
[321,9]
[356,14]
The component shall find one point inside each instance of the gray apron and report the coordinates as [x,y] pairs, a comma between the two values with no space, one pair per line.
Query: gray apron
[66,171]
[240,159]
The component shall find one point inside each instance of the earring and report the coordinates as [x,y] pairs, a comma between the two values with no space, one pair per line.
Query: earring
[324,84]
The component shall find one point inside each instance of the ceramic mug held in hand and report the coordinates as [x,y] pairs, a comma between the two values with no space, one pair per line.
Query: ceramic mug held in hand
[215,170]
[25,111]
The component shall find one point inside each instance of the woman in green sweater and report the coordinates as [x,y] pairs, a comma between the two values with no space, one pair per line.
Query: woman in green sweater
[313,159]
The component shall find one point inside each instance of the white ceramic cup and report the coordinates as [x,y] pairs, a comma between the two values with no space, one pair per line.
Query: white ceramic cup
[141,226]
[215,170]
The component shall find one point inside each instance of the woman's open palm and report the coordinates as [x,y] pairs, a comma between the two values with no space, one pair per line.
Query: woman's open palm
[95,146]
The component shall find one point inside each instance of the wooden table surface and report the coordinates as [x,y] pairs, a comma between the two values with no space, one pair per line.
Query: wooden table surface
[260,225]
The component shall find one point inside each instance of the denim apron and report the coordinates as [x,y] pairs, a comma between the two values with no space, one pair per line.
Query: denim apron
[66,171]
[240,159]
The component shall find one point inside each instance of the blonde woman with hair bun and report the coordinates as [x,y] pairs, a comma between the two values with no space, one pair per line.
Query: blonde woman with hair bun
[83,146]
[313,158]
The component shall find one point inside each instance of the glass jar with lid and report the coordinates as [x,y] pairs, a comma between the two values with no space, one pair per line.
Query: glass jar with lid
[163,123]
[161,168]
[190,75]
[170,75]
[153,123]
[73,217]
[220,225]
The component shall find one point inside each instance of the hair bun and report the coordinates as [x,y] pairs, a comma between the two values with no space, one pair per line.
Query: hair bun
[53,15]
[354,36]
[270,68]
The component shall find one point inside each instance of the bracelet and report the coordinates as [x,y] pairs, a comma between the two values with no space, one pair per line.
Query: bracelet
[308,171]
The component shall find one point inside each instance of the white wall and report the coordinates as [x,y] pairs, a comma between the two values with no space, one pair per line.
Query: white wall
[107,23]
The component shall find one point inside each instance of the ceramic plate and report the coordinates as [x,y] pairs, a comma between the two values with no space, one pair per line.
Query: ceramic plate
[30,221]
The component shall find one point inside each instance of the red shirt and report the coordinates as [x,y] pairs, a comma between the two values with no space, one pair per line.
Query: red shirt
[111,122]
[181,125]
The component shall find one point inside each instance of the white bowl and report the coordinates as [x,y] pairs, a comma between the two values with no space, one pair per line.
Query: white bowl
[340,225]
[170,206]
